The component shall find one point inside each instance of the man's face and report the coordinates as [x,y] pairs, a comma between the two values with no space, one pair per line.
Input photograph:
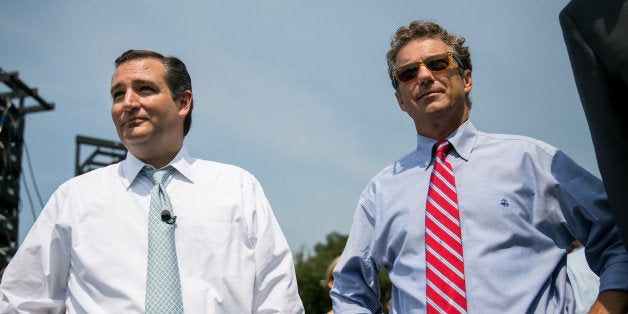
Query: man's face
[432,98]
[143,110]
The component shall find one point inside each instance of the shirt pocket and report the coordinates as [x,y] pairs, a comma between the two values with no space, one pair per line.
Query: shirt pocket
[211,250]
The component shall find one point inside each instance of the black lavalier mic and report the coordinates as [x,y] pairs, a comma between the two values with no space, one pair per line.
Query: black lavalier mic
[167,217]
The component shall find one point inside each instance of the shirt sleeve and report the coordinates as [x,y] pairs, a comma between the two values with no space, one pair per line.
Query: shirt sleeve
[356,284]
[36,278]
[275,288]
[589,219]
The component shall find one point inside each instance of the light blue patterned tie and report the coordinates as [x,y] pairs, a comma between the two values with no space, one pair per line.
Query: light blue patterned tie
[163,285]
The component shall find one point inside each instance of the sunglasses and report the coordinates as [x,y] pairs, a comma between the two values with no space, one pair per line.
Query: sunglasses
[436,64]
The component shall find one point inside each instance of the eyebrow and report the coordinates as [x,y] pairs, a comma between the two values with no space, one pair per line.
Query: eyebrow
[114,87]
[134,82]
[431,56]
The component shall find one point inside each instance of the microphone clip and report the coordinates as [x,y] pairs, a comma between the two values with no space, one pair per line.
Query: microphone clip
[167,217]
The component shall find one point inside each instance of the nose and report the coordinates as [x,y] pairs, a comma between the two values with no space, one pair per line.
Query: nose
[131,101]
[424,75]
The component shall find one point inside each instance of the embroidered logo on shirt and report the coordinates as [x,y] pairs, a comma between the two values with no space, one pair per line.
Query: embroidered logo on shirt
[504,203]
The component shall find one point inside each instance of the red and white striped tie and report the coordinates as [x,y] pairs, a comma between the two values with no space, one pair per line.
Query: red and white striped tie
[445,288]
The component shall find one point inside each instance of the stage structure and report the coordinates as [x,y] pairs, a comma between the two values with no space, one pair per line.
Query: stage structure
[102,153]
[13,108]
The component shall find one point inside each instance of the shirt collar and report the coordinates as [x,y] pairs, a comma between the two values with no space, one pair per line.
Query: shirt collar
[132,166]
[462,140]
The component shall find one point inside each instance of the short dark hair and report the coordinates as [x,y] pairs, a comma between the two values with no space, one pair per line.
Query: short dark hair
[177,76]
[424,29]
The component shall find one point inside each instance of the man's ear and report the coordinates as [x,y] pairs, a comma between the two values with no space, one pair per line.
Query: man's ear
[185,103]
[467,80]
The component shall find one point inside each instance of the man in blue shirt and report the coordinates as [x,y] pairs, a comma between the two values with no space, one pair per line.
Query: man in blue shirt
[521,203]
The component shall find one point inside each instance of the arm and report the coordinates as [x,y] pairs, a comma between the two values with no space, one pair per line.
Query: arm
[275,288]
[356,285]
[610,301]
[36,278]
[588,216]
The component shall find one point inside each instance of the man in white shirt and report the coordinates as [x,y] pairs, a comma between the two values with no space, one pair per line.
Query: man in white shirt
[87,251]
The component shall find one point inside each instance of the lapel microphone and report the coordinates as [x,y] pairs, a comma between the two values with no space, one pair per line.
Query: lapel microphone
[167,217]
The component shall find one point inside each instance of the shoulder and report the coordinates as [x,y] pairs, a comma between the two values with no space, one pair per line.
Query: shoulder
[581,10]
[517,152]
[96,176]
[203,164]
[514,143]
[406,162]
[214,169]
[391,171]
[82,187]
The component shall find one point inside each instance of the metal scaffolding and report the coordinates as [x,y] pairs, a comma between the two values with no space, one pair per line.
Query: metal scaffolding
[11,141]
[103,153]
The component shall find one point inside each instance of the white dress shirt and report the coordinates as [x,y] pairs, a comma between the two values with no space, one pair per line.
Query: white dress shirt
[584,282]
[86,253]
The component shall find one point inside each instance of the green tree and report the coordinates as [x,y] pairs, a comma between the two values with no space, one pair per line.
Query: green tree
[311,269]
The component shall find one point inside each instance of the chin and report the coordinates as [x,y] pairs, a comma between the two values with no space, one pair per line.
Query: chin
[133,138]
[434,108]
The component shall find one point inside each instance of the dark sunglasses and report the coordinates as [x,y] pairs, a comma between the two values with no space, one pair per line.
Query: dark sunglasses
[436,64]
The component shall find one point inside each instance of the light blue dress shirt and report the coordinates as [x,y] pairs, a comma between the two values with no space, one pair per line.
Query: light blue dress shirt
[522,202]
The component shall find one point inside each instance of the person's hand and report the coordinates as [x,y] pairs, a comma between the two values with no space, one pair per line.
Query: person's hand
[611,301]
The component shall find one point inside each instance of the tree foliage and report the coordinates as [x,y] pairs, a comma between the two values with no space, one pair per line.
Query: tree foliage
[311,269]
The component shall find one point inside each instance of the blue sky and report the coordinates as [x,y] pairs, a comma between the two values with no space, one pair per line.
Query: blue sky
[295,92]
